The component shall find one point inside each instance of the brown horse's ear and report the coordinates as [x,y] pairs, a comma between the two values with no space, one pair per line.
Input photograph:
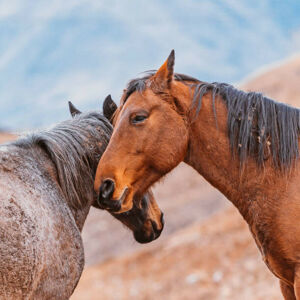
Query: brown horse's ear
[73,110]
[164,75]
[109,107]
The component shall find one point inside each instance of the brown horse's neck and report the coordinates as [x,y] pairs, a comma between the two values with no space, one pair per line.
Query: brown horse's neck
[210,154]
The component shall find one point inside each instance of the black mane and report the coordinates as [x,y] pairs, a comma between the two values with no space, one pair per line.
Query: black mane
[255,123]
[75,147]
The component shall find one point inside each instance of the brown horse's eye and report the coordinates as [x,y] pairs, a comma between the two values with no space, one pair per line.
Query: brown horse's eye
[138,119]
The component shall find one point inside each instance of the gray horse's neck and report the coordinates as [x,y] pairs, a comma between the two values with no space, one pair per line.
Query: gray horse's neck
[33,164]
[45,162]
[68,154]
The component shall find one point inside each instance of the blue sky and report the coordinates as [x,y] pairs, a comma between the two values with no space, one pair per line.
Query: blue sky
[55,51]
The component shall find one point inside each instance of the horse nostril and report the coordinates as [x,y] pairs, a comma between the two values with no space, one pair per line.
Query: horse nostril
[107,189]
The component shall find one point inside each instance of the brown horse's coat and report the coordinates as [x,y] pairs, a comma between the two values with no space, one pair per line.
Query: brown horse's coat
[172,131]
[41,250]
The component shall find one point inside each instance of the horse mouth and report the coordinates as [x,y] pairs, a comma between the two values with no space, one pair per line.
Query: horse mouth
[121,200]
[119,208]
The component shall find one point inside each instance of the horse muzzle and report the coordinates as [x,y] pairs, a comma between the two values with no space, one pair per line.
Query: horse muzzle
[105,198]
[143,236]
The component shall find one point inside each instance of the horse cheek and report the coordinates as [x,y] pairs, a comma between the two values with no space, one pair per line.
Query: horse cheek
[171,153]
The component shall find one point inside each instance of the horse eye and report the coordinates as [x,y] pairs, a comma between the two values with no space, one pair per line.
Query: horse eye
[138,119]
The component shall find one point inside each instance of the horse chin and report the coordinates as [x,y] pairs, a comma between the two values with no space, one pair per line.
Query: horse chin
[143,237]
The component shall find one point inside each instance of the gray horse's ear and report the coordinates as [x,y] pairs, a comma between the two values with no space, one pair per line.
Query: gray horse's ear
[109,107]
[73,110]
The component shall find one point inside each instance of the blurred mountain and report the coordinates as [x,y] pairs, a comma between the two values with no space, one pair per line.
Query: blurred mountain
[6,137]
[280,82]
[52,52]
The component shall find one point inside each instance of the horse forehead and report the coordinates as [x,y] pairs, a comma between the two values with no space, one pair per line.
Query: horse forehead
[142,99]
[134,102]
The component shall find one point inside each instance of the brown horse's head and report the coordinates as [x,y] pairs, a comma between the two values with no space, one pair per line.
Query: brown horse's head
[150,137]
[145,219]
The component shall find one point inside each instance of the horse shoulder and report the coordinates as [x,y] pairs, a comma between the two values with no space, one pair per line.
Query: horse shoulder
[41,246]
[276,230]
[18,247]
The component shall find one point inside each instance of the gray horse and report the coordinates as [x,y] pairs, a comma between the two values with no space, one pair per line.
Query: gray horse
[46,191]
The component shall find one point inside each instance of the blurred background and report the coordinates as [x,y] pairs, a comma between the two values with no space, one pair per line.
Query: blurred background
[82,50]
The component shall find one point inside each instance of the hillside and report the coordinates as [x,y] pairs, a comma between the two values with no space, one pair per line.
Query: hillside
[280,82]
[207,259]
[6,137]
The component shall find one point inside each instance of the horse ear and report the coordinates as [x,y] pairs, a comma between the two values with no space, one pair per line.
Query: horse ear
[109,107]
[73,110]
[164,75]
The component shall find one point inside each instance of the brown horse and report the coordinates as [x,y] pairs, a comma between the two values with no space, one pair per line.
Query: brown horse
[46,191]
[243,144]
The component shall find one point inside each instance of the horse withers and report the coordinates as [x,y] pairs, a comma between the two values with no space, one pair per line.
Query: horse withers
[46,192]
[244,144]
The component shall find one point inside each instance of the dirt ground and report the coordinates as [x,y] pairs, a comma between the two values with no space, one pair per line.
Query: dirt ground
[214,259]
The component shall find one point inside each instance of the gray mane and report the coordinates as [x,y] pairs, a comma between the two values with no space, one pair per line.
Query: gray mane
[255,123]
[75,147]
